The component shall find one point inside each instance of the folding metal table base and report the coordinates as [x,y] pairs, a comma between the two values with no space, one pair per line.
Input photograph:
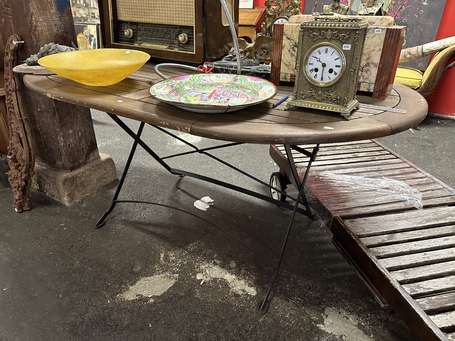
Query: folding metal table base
[300,184]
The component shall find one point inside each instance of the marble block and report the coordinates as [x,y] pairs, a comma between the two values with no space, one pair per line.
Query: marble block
[289,52]
[371,57]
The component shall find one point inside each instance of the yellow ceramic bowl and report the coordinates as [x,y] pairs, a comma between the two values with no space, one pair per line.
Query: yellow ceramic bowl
[101,67]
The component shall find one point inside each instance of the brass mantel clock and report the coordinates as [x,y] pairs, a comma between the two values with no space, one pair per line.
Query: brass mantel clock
[328,62]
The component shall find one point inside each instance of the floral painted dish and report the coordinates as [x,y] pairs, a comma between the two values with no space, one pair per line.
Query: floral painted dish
[213,93]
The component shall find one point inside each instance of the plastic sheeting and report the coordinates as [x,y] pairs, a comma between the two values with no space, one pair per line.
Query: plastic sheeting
[396,189]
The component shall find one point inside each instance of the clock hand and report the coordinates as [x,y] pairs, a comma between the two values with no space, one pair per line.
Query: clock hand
[319,60]
[322,71]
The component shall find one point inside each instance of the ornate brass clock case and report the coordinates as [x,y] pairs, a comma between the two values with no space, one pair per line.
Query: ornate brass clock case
[328,63]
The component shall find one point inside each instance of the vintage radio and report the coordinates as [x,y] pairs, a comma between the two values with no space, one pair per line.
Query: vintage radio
[181,30]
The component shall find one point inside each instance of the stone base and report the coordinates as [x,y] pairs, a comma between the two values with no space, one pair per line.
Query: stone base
[69,187]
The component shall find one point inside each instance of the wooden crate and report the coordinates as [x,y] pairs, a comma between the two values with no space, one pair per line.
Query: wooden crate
[405,255]
[250,21]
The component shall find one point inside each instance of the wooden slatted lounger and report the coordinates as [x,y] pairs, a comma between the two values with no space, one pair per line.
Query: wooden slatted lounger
[405,255]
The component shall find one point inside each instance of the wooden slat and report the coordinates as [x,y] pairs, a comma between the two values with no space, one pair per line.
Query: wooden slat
[395,207]
[408,236]
[425,272]
[381,163]
[431,286]
[438,302]
[359,184]
[339,149]
[346,157]
[386,167]
[411,220]
[396,173]
[413,247]
[444,320]
[356,160]
[342,151]
[350,143]
[408,261]
[341,201]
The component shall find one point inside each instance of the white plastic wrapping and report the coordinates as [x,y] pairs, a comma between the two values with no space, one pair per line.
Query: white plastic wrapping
[396,189]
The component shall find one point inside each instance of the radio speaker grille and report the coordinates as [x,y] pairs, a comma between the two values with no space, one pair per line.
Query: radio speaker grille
[172,12]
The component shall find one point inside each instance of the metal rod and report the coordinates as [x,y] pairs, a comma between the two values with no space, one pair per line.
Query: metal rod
[227,164]
[237,189]
[102,220]
[175,136]
[200,150]
[265,304]
[142,143]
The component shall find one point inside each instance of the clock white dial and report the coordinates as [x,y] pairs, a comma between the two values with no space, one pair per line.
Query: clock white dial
[324,65]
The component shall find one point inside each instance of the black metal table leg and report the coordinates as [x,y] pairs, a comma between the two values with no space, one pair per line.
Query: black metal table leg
[102,220]
[265,304]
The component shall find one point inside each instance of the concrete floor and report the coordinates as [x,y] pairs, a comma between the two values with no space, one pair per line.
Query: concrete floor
[199,275]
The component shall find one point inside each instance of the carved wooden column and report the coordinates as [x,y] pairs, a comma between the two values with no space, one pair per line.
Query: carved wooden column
[68,164]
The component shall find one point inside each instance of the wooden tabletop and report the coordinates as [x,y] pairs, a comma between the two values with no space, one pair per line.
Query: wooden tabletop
[403,109]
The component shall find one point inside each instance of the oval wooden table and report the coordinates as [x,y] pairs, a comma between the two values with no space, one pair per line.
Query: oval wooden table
[403,109]
[264,123]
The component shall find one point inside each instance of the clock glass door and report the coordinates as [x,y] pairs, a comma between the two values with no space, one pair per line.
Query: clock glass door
[324,65]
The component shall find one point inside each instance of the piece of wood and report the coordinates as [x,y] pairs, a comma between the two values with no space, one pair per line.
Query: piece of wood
[21,160]
[390,57]
[393,238]
[349,200]
[346,157]
[407,248]
[444,320]
[356,160]
[380,170]
[251,17]
[424,258]
[393,207]
[431,286]
[277,43]
[349,183]
[439,216]
[425,272]
[334,146]
[3,125]
[357,166]
[438,302]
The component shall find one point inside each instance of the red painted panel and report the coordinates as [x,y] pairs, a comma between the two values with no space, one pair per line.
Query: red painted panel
[442,100]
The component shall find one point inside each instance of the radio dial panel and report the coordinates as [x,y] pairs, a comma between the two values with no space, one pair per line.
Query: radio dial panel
[164,37]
